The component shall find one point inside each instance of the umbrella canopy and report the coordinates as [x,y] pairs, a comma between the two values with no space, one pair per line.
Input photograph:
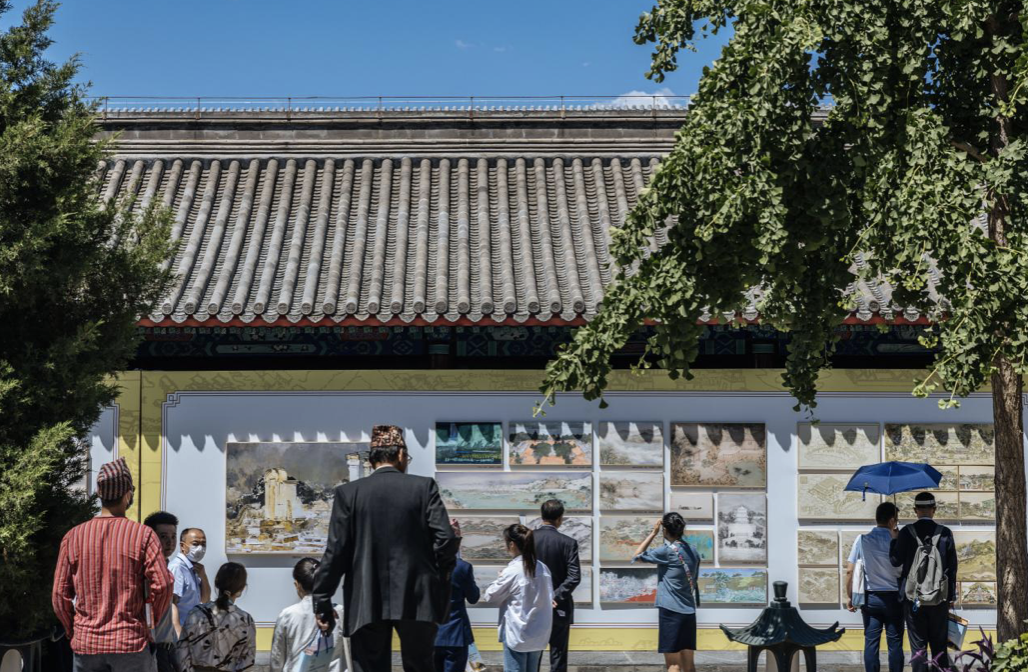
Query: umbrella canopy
[888,478]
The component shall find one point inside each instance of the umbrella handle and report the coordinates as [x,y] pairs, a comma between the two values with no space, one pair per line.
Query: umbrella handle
[863,494]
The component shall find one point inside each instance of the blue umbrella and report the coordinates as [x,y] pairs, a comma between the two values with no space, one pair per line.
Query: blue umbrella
[887,478]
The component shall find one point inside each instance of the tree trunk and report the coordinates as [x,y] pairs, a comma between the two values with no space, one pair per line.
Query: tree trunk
[1011,507]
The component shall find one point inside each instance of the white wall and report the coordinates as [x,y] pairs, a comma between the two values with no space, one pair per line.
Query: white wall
[102,443]
[198,425]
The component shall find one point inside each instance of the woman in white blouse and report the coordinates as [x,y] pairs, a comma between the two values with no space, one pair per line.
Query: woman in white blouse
[524,594]
[296,627]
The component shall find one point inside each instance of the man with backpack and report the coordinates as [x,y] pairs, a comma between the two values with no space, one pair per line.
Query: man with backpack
[928,586]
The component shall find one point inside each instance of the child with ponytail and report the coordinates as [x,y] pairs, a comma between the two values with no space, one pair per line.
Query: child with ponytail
[524,594]
[219,635]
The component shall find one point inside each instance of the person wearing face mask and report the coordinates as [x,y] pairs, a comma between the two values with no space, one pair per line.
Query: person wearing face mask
[191,584]
[109,570]
[296,626]
[165,525]
[219,636]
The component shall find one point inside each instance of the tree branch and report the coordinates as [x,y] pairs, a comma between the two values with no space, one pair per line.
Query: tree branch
[970,149]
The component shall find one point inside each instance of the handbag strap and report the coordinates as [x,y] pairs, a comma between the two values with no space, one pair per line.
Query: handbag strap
[685,566]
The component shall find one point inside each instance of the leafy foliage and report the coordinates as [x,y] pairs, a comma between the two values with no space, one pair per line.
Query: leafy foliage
[74,276]
[917,172]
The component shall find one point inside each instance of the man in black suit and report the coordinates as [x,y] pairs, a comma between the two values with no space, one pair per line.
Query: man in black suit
[390,537]
[927,625]
[559,553]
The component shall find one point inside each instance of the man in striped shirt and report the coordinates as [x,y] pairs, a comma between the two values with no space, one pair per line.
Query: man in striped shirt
[110,573]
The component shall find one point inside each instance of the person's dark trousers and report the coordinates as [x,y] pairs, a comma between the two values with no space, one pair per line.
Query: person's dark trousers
[883,611]
[371,646]
[167,661]
[451,658]
[559,635]
[927,628]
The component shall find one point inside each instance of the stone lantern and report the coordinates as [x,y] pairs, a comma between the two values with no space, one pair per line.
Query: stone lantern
[782,632]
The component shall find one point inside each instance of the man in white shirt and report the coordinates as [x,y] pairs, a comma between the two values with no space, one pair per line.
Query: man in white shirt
[882,608]
[297,626]
[165,526]
[191,584]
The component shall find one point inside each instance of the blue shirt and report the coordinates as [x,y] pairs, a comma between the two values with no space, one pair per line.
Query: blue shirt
[675,591]
[880,575]
[187,585]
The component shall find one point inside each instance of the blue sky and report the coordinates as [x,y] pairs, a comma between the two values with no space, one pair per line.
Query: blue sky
[367,48]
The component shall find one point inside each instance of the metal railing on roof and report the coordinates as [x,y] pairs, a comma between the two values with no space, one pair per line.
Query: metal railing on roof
[380,105]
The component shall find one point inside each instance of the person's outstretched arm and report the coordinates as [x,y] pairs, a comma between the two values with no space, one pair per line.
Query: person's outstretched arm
[471,590]
[335,563]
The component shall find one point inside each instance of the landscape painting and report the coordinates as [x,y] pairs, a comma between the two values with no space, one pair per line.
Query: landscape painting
[479,443]
[718,455]
[978,594]
[631,444]
[733,586]
[583,592]
[976,555]
[551,444]
[482,537]
[579,528]
[824,497]
[940,444]
[818,585]
[947,505]
[633,585]
[847,539]
[950,478]
[692,505]
[835,446]
[278,495]
[515,490]
[742,528]
[982,479]
[978,506]
[702,542]
[484,576]
[621,535]
[817,548]
[631,491]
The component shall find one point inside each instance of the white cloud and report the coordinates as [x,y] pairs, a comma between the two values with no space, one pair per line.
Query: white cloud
[585,64]
[663,97]
[500,49]
[461,44]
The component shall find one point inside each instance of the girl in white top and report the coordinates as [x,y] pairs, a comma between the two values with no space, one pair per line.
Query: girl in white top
[524,594]
[296,627]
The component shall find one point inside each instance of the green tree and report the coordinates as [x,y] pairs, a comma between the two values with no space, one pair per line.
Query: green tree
[74,277]
[916,173]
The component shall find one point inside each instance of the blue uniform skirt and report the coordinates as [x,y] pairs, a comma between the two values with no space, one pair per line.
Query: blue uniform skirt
[676,632]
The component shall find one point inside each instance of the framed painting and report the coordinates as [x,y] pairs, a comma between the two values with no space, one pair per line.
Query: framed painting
[631,444]
[824,497]
[482,537]
[522,490]
[631,491]
[941,444]
[702,542]
[583,592]
[551,444]
[484,577]
[278,495]
[828,446]
[978,594]
[847,538]
[978,506]
[692,505]
[742,528]
[817,548]
[947,505]
[818,585]
[479,443]
[732,455]
[950,479]
[976,555]
[733,586]
[629,585]
[621,535]
[982,479]
[579,528]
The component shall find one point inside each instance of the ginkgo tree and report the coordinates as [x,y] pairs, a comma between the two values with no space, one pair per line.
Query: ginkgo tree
[837,140]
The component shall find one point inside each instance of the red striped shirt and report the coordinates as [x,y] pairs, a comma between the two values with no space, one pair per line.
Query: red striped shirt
[103,571]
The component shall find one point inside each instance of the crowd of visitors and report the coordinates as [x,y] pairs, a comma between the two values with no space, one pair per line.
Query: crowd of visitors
[129,602]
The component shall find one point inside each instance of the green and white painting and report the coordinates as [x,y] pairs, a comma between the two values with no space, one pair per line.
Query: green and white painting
[478,443]
[732,586]
[521,490]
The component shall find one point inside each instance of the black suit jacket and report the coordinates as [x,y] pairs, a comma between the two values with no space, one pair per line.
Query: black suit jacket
[390,537]
[559,553]
[904,546]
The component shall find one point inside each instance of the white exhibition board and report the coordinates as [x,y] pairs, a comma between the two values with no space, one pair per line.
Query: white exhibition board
[197,426]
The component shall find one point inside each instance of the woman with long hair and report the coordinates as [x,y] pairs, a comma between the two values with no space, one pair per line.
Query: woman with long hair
[524,594]
[678,565]
[218,635]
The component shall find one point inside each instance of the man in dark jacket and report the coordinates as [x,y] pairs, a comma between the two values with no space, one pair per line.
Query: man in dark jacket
[390,537]
[454,637]
[927,626]
[559,553]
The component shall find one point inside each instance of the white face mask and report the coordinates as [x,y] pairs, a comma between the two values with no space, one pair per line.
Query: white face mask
[196,553]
